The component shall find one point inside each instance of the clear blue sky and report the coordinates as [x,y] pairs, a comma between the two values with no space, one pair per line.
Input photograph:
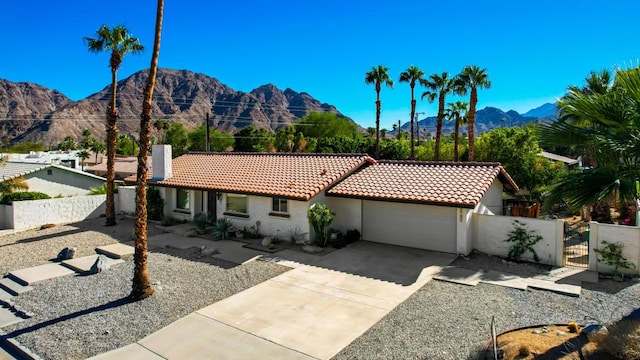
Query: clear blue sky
[531,49]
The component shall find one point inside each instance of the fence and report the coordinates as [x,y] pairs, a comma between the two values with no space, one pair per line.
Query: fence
[628,236]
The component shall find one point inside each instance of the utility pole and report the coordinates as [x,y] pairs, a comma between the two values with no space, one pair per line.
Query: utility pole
[418,128]
[207,142]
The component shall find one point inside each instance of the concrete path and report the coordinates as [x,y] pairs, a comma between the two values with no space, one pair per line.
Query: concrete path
[309,312]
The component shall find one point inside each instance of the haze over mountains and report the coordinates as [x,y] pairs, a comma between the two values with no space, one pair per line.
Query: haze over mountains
[30,112]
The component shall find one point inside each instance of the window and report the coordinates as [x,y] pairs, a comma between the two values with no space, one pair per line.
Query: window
[280,205]
[49,172]
[237,203]
[182,199]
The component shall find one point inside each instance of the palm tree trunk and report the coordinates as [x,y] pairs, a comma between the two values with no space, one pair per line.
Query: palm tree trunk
[439,125]
[456,140]
[473,100]
[141,287]
[413,111]
[112,119]
[378,125]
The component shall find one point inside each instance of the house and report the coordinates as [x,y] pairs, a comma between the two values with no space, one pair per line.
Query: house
[53,180]
[123,167]
[569,163]
[427,205]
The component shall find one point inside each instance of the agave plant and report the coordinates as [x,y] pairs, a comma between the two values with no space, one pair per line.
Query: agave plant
[223,228]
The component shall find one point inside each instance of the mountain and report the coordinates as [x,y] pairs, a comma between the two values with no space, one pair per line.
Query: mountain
[39,114]
[547,110]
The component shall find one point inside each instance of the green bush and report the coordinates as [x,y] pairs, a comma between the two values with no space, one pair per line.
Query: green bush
[352,236]
[8,199]
[523,241]
[321,217]
[155,204]
[224,227]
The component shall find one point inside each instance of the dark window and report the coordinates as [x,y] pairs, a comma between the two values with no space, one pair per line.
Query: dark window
[280,205]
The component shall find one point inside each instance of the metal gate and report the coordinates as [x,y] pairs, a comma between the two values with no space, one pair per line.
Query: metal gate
[576,244]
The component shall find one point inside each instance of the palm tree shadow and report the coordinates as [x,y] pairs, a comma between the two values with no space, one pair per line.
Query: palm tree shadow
[73,315]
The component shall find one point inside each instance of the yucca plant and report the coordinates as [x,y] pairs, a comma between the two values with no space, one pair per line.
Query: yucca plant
[223,228]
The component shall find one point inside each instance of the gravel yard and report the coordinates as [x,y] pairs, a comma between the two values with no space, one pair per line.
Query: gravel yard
[449,321]
[81,316]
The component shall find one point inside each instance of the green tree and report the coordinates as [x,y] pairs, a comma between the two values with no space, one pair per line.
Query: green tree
[26,147]
[605,121]
[126,145]
[286,139]
[69,143]
[83,155]
[97,147]
[456,112]
[325,124]
[162,125]
[119,42]
[439,86]
[85,143]
[141,287]
[471,79]
[176,136]
[412,76]
[250,139]
[219,141]
[378,75]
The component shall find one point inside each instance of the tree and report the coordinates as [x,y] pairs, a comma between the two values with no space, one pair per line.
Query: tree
[97,147]
[250,139]
[69,143]
[141,288]
[605,120]
[412,75]
[85,143]
[325,124]
[119,42]
[176,136]
[162,125]
[83,155]
[439,86]
[285,139]
[14,184]
[219,141]
[126,145]
[471,79]
[456,112]
[378,75]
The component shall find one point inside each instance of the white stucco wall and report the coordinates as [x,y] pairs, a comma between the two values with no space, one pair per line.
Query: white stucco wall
[491,202]
[126,200]
[348,213]
[491,231]
[628,236]
[6,217]
[464,238]
[57,211]
[61,182]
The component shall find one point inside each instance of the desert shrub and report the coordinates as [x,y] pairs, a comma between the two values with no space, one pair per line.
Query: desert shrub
[523,241]
[8,199]
[296,236]
[321,217]
[155,204]
[224,227]
[200,220]
[524,351]
[621,340]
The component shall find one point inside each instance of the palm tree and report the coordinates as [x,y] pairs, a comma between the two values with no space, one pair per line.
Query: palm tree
[456,112]
[606,119]
[83,155]
[97,147]
[412,75]
[119,42]
[12,185]
[378,76]
[440,86]
[162,125]
[141,288]
[472,78]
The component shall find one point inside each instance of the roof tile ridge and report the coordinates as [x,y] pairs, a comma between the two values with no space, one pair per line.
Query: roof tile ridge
[444,163]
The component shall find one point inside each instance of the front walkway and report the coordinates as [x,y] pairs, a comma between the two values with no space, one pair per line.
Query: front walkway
[310,312]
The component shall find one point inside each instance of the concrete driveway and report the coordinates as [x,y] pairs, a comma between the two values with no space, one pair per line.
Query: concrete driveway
[310,312]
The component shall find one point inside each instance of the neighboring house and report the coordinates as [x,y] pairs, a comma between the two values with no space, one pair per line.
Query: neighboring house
[64,158]
[569,163]
[416,204]
[124,167]
[53,180]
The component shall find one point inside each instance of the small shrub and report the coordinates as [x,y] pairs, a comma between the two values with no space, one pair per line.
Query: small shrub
[523,241]
[611,254]
[352,236]
[524,351]
[272,246]
[8,199]
[200,220]
[621,340]
[223,228]
[339,242]
[321,217]
[155,204]
[296,235]
[573,327]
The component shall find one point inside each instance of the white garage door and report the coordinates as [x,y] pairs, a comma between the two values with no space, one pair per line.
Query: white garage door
[419,226]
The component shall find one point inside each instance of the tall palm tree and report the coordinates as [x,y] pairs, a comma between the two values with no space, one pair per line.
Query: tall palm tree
[412,75]
[119,42]
[439,86]
[456,112]
[471,79]
[162,125]
[83,155]
[141,288]
[378,75]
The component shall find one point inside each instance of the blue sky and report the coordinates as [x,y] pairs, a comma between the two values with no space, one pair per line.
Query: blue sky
[531,49]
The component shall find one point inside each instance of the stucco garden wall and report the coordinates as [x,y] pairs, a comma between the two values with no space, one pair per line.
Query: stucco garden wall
[628,236]
[126,200]
[490,233]
[54,211]
[348,213]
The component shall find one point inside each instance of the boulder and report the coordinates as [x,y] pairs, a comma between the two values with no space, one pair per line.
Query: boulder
[66,253]
[266,241]
[101,264]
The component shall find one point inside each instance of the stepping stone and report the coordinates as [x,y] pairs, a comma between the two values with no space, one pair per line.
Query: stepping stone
[116,251]
[563,289]
[8,317]
[459,275]
[504,279]
[36,274]
[13,287]
[4,295]
[83,264]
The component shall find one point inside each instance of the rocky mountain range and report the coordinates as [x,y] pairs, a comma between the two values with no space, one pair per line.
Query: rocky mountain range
[31,112]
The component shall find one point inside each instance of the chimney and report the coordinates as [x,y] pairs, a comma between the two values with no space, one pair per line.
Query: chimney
[161,162]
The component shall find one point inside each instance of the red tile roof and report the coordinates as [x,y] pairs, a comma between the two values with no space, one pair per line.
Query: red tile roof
[294,176]
[440,183]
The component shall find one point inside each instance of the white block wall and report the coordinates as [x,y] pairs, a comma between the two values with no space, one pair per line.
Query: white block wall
[55,211]
[628,236]
[126,200]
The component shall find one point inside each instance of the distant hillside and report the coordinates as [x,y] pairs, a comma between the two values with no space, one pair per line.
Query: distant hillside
[180,95]
[547,110]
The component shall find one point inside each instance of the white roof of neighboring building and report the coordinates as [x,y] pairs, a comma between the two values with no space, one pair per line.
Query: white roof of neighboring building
[14,169]
[556,157]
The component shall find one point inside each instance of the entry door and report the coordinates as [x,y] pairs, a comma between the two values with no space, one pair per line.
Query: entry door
[211,205]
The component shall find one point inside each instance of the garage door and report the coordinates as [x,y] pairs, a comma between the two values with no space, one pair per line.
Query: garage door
[418,226]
